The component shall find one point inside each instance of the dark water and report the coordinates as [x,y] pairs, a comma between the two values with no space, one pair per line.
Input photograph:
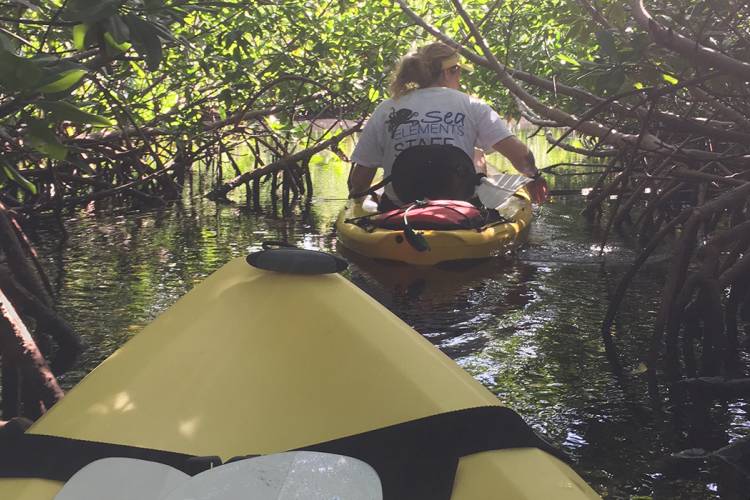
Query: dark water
[527,326]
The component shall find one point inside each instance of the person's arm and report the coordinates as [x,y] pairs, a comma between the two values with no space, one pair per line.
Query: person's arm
[368,153]
[492,132]
[360,179]
[480,161]
[523,161]
[518,154]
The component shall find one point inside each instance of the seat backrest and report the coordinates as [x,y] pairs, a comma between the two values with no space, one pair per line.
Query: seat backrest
[434,172]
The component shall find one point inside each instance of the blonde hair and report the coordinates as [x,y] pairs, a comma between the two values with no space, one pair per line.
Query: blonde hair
[420,69]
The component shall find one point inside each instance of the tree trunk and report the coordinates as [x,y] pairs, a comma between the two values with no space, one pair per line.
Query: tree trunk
[17,343]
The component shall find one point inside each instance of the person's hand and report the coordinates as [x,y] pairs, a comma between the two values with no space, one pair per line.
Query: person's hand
[538,190]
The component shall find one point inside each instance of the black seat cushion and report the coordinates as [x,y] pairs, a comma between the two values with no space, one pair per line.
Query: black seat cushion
[433,172]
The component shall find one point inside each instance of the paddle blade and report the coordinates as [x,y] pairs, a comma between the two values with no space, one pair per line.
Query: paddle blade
[122,479]
[300,475]
[494,190]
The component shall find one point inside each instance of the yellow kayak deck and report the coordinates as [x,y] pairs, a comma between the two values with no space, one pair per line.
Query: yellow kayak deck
[445,245]
[257,362]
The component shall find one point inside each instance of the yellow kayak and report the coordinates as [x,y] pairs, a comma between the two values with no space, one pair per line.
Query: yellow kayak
[490,240]
[257,362]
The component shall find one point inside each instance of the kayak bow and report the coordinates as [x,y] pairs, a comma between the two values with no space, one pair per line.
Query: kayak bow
[259,362]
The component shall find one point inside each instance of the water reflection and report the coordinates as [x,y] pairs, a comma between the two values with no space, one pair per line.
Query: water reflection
[526,326]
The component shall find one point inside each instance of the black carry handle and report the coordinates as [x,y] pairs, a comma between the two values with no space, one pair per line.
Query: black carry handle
[283,257]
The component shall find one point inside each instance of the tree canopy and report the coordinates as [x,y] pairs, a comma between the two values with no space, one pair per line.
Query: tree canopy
[87,83]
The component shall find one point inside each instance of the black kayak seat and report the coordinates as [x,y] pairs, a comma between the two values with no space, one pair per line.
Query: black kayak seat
[433,172]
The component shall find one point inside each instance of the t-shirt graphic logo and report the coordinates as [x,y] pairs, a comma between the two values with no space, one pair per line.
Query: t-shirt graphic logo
[400,117]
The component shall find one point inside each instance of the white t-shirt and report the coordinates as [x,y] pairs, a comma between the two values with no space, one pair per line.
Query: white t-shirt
[433,115]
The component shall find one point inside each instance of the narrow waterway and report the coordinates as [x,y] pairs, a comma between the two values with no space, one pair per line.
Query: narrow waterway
[526,326]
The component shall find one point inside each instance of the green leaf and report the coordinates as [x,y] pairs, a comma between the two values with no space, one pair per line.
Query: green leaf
[54,150]
[170,100]
[640,43]
[79,36]
[6,43]
[568,60]
[616,14]
[610,82]
[67,79]
[18,73]
[145,38]
[669,79]
[44,139]
[62,110]
[640,369]
[163,31]
[39,75]
[28,73]
[607,45]
[226,96]
[120,31]
[90,11]
[120,47]
[373,94]
[27,3]
[15,176]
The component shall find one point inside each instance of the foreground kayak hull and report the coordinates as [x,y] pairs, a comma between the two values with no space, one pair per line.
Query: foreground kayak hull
[445,245]
[257,362]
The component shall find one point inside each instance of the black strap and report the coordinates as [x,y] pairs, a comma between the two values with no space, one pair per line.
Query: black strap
[415,460]
[58,458]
